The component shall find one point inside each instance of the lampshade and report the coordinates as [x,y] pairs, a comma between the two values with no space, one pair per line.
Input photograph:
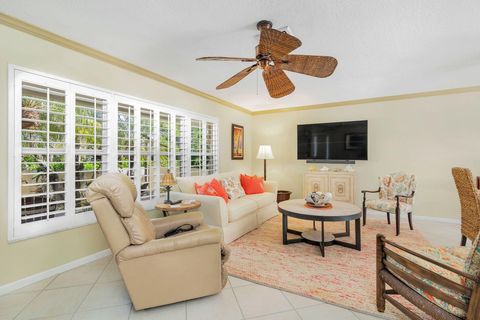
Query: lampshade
[265,152]
[168,180]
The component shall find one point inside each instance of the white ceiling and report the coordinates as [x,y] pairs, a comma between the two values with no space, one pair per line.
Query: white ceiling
[384,47]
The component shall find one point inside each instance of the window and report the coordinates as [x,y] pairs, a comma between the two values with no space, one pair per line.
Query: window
[67,134]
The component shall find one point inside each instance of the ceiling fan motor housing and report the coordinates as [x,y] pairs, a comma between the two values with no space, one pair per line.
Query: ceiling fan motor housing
[264,24]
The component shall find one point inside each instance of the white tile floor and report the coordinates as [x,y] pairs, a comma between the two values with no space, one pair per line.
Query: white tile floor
[96,291]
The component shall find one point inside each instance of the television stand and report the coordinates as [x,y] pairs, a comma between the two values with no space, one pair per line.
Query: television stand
[340,183]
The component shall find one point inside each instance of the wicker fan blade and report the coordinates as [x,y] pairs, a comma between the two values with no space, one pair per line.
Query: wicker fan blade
[277,82]
[316,66]
[226,59]
[277,43]
[239,76]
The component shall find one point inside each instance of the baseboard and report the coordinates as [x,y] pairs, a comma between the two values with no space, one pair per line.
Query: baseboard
[12,286]
[415,217]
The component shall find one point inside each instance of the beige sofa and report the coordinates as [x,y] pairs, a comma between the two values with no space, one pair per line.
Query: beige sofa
[157,270]
[237,217]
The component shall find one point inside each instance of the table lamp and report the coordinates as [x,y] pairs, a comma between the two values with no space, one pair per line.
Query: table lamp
[265,152]
[168,181]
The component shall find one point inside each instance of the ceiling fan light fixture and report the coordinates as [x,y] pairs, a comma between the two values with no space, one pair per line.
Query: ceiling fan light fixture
[274,58]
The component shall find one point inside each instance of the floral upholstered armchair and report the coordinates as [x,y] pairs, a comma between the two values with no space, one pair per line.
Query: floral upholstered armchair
[395,195]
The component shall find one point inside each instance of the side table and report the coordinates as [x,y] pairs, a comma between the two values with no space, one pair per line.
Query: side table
[181,207]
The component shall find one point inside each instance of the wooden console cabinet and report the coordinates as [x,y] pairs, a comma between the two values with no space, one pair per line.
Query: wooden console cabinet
[341,184]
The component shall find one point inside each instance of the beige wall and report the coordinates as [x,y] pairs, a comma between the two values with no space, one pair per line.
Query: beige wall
[28,257]
[426,136]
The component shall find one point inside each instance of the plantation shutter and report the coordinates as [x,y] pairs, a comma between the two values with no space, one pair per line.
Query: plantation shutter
[211,148]
[196,147]
[164,142]
[42,153]
[149,176]
[126,140]
[181,162]
[91,145]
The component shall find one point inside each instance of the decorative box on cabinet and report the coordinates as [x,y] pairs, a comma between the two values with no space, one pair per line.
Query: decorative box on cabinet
[341,184]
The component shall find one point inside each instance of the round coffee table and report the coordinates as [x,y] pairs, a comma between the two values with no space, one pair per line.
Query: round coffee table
[340,211]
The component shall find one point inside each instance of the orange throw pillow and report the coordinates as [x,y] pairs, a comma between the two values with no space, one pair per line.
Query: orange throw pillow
[219,189]
[212,188]
[252,184]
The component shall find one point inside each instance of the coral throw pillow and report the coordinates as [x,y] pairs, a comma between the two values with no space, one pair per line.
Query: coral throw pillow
[212,188]
[252,184]
[219,189]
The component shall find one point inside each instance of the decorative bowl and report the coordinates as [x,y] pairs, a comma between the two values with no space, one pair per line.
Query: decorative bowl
[318,199]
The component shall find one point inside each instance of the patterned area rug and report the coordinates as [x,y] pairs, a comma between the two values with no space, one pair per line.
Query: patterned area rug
[345,277]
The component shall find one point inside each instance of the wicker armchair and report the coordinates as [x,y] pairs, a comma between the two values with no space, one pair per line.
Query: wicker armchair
[432,285]
[469,202]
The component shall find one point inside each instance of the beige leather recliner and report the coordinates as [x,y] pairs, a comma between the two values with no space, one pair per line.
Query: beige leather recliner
[156,270]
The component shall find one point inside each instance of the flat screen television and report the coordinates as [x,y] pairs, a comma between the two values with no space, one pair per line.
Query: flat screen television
[333,141]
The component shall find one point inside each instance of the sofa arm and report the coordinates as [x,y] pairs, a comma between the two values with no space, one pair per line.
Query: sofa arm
[163,225]
[271,186]
[214,209]
[203,235]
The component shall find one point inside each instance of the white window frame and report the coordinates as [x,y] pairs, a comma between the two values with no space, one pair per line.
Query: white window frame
[16,75]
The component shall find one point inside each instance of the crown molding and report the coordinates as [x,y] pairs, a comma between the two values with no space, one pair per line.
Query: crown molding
[78,47]
[372,100]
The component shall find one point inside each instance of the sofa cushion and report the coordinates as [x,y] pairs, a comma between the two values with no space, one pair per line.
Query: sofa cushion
[239,208]
[262,199]
[388,206]
[442,255]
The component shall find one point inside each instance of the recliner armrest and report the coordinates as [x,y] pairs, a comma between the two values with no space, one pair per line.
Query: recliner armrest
[203,235]
[163,225]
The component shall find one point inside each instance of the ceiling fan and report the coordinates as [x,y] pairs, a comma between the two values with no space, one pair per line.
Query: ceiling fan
[272,56]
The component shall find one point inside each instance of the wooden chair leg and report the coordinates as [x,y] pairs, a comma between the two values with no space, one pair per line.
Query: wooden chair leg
[410,220]
[463,242]
[388,217]
[380,283]
[397,218]
[364,209]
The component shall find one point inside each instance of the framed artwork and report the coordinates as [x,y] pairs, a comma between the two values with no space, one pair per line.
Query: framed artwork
[237,142]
